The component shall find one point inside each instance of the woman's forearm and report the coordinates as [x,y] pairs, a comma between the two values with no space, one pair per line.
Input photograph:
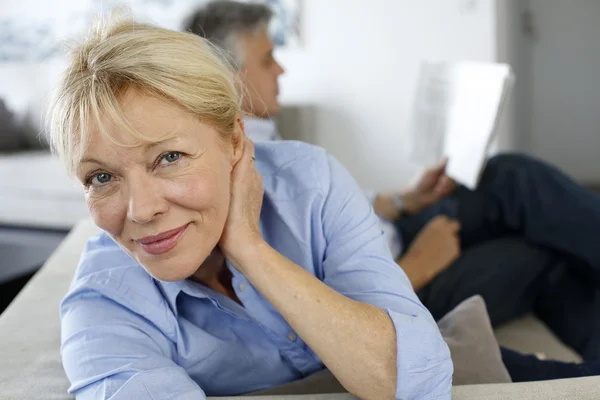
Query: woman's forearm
[356,341]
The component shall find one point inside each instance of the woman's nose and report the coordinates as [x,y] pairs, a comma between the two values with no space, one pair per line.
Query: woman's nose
[145,201]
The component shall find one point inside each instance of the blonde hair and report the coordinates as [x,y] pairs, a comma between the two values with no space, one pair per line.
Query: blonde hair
[120,54]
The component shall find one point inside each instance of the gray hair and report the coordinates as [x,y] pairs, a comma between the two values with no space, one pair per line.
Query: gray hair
[222,22]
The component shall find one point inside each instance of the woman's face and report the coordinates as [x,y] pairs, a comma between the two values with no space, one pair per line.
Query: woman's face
[166,203]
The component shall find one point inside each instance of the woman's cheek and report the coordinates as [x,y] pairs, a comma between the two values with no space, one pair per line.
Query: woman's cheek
[107,213]
[198,190]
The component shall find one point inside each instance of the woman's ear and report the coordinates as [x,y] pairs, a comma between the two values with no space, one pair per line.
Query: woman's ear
[237,140]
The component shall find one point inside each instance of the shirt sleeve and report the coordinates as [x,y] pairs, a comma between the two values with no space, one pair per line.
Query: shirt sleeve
[370,194]
[358,264]
[393,235]
[109,352]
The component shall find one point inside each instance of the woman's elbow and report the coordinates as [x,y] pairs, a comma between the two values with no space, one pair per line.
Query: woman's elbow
[380,382]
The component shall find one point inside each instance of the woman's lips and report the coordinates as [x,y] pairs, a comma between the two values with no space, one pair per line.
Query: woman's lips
[163,242]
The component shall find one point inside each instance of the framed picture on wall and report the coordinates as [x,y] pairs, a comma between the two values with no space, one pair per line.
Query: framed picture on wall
[285,27]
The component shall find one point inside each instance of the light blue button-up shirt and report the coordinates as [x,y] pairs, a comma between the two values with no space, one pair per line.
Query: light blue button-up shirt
[126,335]
[263,129]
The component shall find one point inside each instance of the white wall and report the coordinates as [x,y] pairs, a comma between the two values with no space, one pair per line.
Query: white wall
[565,88]
[514,47]
[507,12]
[554,49]
[357,66]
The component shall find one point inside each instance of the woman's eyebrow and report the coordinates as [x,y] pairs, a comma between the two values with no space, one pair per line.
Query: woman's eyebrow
[90,160]
[146,148]
[149,146]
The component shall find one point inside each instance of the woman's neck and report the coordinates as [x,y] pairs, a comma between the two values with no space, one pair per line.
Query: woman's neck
[214,274]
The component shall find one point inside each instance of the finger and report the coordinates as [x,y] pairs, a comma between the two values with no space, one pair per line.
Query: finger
[454,226]
[439,168]
[248,149]
[448,183]
[249,156]
[444,186]
[438,220]
[244,165]
[443,163]
[446,222]
[458,248]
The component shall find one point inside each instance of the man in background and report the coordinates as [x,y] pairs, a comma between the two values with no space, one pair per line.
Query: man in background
[525,240]
[240,31]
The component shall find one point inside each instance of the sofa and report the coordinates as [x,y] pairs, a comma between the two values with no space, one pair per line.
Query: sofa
[30,341]
[37,194]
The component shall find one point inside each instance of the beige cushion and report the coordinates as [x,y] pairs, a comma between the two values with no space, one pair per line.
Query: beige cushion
[563,389]
[475,352]
[529,335]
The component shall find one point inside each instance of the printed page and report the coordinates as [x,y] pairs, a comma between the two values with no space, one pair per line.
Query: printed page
[455,116]
[430,114]
[480,93]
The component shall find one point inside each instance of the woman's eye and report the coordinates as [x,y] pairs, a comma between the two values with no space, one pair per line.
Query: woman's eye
[100,179]
[170,157]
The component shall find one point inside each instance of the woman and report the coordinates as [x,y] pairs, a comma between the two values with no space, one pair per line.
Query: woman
[223,268]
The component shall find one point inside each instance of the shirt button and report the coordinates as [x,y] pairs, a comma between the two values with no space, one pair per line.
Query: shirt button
[292,336]
[242,286]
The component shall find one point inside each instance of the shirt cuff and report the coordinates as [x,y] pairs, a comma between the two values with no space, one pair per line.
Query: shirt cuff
[423,358]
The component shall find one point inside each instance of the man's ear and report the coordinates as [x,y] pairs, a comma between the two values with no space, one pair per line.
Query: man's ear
[238,140]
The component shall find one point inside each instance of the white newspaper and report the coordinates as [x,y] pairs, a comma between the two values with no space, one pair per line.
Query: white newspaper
[456,111]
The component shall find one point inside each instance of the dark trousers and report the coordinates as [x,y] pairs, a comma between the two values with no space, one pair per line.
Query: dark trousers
[530,243]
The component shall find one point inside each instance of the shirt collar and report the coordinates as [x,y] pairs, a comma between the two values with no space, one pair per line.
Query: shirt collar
[171,290]
[261,129]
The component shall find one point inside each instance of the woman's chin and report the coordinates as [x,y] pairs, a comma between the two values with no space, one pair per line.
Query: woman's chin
[174,269]
[166,274]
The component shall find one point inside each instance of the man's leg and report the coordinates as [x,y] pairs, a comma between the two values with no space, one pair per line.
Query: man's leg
[478,212]
[520,195]
[570,306]
[515,277]
[528,368]
[507,272]
[545,205]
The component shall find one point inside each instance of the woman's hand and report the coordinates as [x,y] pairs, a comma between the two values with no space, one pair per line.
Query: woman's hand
[432,251]
[242,229]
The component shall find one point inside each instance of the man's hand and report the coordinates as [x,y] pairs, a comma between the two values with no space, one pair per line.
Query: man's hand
[432,251]
[385,207]
[433,186]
